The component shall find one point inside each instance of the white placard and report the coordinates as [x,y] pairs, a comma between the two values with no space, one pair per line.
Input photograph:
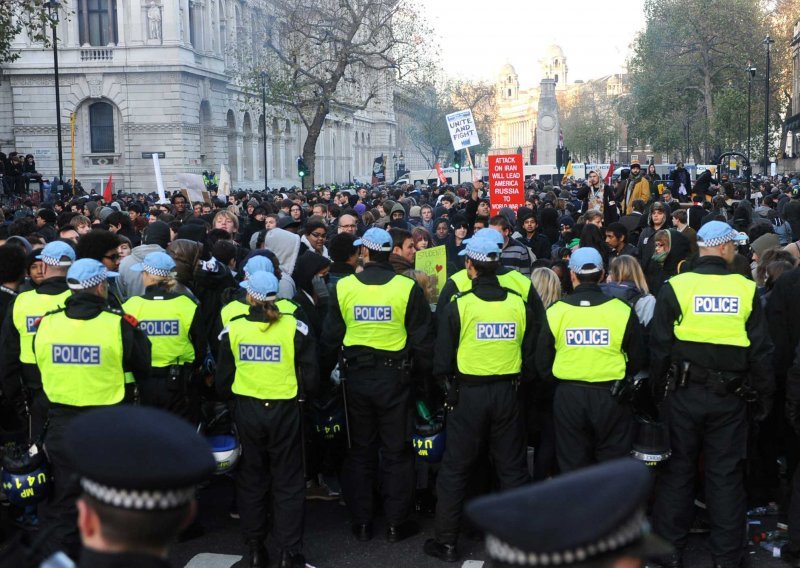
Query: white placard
[162,196]
[194,186]
[463,131]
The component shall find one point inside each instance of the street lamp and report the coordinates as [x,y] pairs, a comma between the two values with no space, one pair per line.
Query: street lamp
[401,164]
[52,8]
[264,118]
[396,169]
[768,41]
[751,73]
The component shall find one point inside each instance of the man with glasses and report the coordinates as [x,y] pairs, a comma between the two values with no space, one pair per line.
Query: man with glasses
[102,246]
[347,224]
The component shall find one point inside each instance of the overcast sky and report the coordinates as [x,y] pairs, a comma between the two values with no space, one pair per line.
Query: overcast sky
[477,37]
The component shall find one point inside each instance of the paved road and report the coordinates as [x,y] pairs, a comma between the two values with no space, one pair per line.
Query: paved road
[329,543]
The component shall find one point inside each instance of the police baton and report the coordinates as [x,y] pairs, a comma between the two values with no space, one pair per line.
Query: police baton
[301,399]
[343,382]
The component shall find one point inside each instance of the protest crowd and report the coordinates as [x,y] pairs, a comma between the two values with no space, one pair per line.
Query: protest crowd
[604,318]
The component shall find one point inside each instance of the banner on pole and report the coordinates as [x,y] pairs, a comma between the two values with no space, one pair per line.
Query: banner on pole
[506,182]
[462,128]
[162,195]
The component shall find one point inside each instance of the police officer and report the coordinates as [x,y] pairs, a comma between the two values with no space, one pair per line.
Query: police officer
[83,351]
[268,361]
[19,329]
[138,470]
[709,324]
[382,322]
[485,340]
[507,277]
[589,344]
[531,526]
[171,320]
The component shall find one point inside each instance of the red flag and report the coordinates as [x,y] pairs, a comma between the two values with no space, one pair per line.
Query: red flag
[107,190]
[610,173]
[442,179]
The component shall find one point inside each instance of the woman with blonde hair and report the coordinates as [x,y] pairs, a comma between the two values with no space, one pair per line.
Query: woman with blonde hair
[173,324]
[267,360]
[547,285]
[626,281]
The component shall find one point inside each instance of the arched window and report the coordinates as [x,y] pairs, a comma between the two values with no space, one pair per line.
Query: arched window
[97,22]
[101,127]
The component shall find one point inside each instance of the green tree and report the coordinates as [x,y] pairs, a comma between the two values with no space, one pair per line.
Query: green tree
[688,53]
[18,16]
[589,122]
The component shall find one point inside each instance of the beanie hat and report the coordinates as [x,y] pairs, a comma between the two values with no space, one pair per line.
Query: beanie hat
[157,233]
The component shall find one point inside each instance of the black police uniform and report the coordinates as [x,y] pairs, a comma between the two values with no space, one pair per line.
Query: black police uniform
[379,404]
[61,512]
[536,526]
[591,425]
[14,370]
[485,417]
[161,388]
[272,461]
[150,456]
[702,418]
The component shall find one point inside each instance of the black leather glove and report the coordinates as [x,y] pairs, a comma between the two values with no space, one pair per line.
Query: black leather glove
[761,408]
[793,414]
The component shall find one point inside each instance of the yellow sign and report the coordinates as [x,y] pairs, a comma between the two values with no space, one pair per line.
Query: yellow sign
[433,262]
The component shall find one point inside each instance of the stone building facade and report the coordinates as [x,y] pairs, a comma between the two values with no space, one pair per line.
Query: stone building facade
[144,76]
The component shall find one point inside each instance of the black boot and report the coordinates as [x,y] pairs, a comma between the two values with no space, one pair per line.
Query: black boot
[395,532]
[292,560]
[257,555]
[445,552]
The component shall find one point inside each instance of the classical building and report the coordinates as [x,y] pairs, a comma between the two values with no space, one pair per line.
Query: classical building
[790,147]
[142,76]
[521,114]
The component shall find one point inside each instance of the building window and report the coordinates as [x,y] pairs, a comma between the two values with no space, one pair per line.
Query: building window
[101,126]
[509,92]
[97,22]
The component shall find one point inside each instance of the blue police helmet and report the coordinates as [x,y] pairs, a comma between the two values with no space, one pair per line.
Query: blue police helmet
[53,254]
[259,263]
[585,260]
[157,264]
[226,450]
[25,477]
[87,273]
[261,285]
[429,441]
[482,249]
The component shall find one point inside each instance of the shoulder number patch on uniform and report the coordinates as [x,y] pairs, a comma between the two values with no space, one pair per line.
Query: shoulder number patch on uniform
[259,353]
[716,305]
[130,319]
[495,331]
[372,313]
[588,337]
[302,328]
[76,354]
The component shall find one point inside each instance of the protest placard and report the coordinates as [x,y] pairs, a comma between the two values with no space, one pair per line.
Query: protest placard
[433,262]
[462,128]
[506,182]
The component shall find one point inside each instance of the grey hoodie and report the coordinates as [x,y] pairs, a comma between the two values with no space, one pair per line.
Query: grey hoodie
[130,283]
[286,247]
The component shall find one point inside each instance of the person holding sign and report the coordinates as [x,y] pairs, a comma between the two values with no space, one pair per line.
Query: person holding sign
[485,347]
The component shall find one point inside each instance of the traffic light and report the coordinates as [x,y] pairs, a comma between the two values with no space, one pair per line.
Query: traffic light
[457,159]
[302,169]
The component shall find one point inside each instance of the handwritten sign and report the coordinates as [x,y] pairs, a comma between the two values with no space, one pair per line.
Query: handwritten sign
[506,182]
[433,262]
[462,128]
